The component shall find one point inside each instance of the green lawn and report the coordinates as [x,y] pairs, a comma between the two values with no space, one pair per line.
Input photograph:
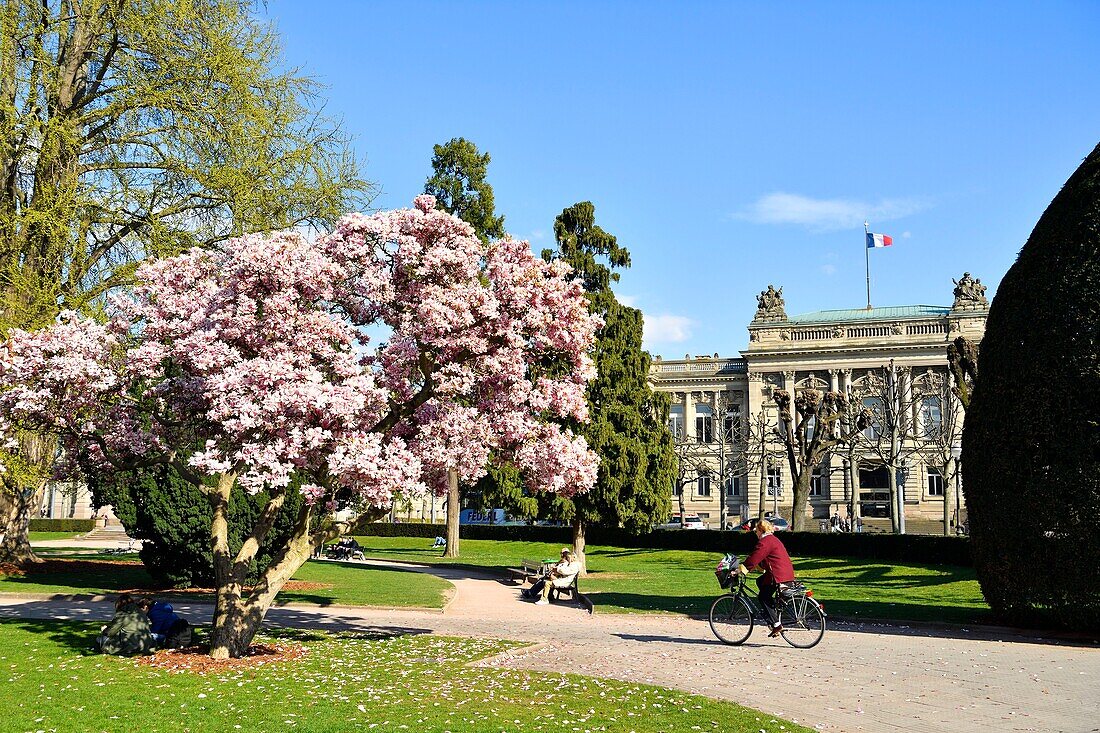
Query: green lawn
[346,584]
[682,581]
[53,682]
[40,536]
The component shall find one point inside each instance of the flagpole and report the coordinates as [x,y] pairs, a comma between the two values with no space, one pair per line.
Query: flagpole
[867,258]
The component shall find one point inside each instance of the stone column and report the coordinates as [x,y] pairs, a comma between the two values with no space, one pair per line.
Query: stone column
[834,380]
[689,417]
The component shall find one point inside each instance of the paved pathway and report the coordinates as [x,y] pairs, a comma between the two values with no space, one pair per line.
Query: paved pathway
[860,678]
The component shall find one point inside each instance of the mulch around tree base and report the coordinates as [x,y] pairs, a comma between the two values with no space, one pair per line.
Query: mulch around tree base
[196,659]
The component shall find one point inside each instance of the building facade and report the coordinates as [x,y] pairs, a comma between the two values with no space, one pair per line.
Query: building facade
[890,362]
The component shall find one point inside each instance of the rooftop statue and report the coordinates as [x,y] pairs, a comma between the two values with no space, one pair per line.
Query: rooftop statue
[969,293]
[769,305]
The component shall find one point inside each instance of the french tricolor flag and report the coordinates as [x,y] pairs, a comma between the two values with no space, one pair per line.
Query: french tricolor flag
[878,240]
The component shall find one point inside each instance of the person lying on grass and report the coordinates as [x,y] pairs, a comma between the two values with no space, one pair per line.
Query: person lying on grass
[129,632]
[560,576]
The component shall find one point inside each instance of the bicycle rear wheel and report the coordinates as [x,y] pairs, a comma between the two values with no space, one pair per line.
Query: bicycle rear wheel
[731,619]
[803,622]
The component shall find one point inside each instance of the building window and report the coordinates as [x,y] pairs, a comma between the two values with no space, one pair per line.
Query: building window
[676,426]
[816,482]
[775,482]
[676,488]
[704,429]
[702,484]
[733,486]
[931,417]
[873,406]
[935,483]
[731,425]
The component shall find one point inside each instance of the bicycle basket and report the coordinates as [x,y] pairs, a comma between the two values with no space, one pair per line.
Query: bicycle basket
[725,578]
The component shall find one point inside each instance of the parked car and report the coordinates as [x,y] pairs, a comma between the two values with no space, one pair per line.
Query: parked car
[781,524]
[690,521]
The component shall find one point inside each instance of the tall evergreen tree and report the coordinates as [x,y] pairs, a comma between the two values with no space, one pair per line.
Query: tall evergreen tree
[459,186]
[628,427]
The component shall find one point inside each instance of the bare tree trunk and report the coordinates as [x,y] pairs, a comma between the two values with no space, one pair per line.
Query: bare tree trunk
[801,500]
[20,499]
[949,498]
[892,483]
[578,544]
[16,509]
[857,508]
[763,491]
[454,506]
[683,506]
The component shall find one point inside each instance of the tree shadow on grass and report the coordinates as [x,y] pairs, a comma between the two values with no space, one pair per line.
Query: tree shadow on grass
[77,636]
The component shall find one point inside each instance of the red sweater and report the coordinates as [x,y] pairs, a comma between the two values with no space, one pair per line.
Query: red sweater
[770,554]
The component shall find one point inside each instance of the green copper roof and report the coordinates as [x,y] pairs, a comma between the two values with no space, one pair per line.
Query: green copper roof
[874,314]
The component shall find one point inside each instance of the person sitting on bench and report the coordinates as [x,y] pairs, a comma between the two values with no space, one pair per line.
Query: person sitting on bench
[560,576]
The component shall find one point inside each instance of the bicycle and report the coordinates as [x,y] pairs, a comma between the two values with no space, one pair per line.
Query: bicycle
[733,615]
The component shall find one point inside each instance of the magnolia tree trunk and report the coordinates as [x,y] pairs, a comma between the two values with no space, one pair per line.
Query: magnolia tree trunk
[238,615]
[578,544]
[683,507]
[801,500]
[454,507]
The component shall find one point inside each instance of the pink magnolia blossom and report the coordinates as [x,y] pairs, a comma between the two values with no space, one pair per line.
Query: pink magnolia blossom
[255,359]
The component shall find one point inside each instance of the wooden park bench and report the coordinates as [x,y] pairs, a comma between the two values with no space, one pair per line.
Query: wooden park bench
[528,570]
[571,589]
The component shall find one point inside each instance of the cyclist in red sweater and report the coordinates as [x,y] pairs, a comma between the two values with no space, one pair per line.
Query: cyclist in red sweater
[770,555]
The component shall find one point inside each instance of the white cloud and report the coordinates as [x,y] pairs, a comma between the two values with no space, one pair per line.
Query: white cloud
[630,301]
[829,269]
[665,329]
[906,235]
[826,214]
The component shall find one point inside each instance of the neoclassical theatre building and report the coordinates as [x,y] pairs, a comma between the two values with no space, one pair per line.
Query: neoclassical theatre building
[849,351]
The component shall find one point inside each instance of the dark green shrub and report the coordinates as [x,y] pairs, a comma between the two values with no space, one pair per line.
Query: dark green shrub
[62,525]
[172,519]
[930,549]
[1031,444]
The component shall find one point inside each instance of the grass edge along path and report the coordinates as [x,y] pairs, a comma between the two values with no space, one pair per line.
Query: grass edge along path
[638,580]
[321,583]
[343,682]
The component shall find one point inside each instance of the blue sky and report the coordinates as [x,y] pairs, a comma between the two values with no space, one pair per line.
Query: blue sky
[730,146]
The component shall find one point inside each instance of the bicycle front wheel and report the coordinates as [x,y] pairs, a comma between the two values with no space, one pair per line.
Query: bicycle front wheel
[803,622]
[731,620]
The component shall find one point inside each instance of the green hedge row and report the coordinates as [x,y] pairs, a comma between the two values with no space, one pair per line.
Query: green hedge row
[928,549]
[62,525]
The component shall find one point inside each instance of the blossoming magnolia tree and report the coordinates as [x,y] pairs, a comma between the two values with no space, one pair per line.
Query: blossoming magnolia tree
[258,353]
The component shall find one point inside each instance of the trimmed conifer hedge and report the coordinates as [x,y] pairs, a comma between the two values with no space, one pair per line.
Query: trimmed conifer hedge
[925,549]
[62,525]
[1031,444]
